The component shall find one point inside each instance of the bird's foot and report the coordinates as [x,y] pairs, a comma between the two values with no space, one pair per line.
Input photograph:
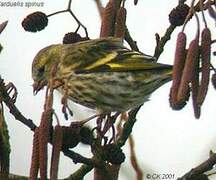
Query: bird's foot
[12,91]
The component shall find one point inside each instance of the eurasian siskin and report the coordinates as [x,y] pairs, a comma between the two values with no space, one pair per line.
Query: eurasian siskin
[101,74]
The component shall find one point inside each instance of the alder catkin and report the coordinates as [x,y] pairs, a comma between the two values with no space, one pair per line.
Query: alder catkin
[179,62]
[205,70]
[194,89]
[108,19]
[35,157]
[57,146]
[120,22]
[44,133]
[194,71]
[188,71]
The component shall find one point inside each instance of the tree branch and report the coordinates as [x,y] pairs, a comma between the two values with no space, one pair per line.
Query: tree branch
[202,168]
[128,126]
[130,40]
[160,45]
[4,96]
[77,158]
[80,173]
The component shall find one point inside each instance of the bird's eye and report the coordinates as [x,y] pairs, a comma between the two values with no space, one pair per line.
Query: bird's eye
[41,70]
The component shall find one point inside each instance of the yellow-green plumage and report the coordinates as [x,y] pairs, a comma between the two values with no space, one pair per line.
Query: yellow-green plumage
[102,74]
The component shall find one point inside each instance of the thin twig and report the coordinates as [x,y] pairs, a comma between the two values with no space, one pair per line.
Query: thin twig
[13,109]
[163,40]
[99,7]
[78,22]
[202,12]
[80,173]
[130,40]
[77,158]
[197,7]
[72,14]
[57,12]
[127,127]
[202,168]
[89,164]
[139,173]
[69,4]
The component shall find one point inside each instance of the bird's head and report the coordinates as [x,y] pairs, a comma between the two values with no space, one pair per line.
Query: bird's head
[42,65]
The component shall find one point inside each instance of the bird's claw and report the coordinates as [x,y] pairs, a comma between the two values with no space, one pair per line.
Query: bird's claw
[66,110]
[65,107]
[11,89]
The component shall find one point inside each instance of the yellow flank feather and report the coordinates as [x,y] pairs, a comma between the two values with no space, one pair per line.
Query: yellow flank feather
[109,57]
[134,66]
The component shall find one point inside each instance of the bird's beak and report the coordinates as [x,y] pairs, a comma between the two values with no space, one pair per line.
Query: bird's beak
[38,85]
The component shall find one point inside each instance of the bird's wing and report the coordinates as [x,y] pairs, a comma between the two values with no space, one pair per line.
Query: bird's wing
[107,55]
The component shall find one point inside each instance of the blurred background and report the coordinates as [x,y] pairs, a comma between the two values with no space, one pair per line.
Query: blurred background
[166,141]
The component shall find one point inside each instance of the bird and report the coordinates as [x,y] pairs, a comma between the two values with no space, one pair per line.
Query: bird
[101,74]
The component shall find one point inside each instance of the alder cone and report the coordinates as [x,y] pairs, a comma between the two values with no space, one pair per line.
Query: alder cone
[71,137]
[34,22]
[71,37]
[135,2]
[178,15]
